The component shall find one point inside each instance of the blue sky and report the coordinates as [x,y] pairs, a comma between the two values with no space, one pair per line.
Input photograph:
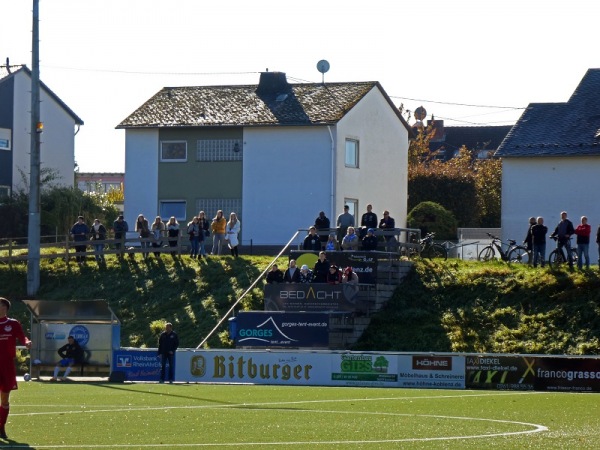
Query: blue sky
[105,58]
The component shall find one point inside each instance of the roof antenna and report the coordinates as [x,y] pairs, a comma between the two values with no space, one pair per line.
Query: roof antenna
[323,66]
[8,65]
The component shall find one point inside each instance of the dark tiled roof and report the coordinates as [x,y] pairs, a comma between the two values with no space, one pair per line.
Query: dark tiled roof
[298,104]
[473,138]
[559,129]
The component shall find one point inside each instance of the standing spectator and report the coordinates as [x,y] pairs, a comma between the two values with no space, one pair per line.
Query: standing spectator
[173,233]
[71,353]
[321,269]
[143,231]
[332,244]
[583,232]
[98,234]
[369,242]
[344,221]
[167,346]
[193,231]
[563,232]
[232,232]
[388,223]
[528,242]
[292,273]
[10,331]
[158,230]
[538,234]
[218,225]
[312,241]
[274,275]
[204,225]
[322,223]
[351,240]
[334,276]
[80,232]
[306,275]
[120,227]
[368,220]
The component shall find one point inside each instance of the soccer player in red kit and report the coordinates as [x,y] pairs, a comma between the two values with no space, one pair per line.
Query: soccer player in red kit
[10,331]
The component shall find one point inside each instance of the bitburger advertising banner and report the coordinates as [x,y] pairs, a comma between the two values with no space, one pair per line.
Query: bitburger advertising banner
[363,263]
[281,329]
[316,297]
[431,371]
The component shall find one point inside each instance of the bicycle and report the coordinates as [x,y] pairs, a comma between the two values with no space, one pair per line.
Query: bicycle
[513,254]
[558,258]
[430,249]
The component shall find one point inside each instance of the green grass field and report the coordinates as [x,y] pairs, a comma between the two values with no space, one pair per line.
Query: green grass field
[151,416]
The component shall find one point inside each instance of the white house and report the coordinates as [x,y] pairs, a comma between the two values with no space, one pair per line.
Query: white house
[275,153]
[58,139]
[551,163]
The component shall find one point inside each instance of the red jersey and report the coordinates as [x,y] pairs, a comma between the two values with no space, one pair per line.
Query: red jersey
[10,331]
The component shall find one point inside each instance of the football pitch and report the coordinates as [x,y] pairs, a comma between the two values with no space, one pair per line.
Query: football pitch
[80,415]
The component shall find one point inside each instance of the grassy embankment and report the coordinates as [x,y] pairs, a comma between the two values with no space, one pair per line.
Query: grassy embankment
[442,306]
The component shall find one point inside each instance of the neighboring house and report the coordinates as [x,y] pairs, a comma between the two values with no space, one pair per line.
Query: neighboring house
[275,153]
[58,139]
[483,141]
[551,163]
[99,181]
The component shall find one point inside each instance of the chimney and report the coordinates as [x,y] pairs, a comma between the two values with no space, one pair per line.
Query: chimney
[272,83]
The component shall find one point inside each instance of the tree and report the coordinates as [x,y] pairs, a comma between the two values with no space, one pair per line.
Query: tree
[431,217]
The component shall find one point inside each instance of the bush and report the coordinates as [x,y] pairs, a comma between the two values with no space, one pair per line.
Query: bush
[433,217]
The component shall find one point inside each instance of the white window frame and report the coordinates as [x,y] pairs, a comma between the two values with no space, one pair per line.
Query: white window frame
[5,135]
[352,208]
[355,153]
[6,190]
[171,160]
[166,216]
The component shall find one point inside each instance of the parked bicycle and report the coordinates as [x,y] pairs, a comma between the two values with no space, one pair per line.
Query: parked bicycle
[430,249]
[558,256]
[514,253]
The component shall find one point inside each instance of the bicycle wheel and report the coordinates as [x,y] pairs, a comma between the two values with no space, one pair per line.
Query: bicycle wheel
[439,251]
[487,254]
[556,259]
[519,255]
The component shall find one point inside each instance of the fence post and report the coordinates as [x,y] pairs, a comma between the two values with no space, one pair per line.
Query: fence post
[67,250]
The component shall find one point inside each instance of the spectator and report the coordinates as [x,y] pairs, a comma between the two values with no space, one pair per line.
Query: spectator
[10,331]
[204,225]
[98,234]
[538,234]
[349,276]
[167,346]
[173,233]
[292,273]
[312,241]
[368,220]
[528,242]
[193,231]
[563,232]
[306,275]
[141,227]
[351,240]
[120,227]
[80,232]
[218,225]
[332,243]
[583,232]
[369,242]
[322,223]
[321,269]
[274,275]
[334,276]
[344,221]
[232,232]
[70,353]
[387,224]
[158,230]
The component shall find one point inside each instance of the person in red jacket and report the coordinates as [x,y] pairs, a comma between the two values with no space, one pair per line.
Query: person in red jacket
[583,232]
[10,331]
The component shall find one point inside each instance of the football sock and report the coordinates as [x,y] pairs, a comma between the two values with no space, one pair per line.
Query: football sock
[56,369]
[68,371]
[3,415]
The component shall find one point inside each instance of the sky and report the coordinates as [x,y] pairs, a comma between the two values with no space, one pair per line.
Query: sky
[468,62]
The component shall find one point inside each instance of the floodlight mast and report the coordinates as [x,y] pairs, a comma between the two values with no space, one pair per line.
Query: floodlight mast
[33,230]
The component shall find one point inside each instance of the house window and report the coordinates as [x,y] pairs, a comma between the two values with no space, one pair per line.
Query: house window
[219,150]
[177,208]
[351,153]
[352,207]
[4,191]
[4,139]
[173,151]
[210,206]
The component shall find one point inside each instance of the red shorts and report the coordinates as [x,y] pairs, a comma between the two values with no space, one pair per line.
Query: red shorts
[8,376]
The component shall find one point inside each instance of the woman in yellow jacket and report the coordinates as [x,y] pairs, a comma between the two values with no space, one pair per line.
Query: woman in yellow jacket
[218,230]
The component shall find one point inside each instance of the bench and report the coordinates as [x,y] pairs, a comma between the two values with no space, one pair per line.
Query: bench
[85,368]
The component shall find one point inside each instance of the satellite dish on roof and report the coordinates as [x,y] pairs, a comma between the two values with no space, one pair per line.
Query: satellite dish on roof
[323,67]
